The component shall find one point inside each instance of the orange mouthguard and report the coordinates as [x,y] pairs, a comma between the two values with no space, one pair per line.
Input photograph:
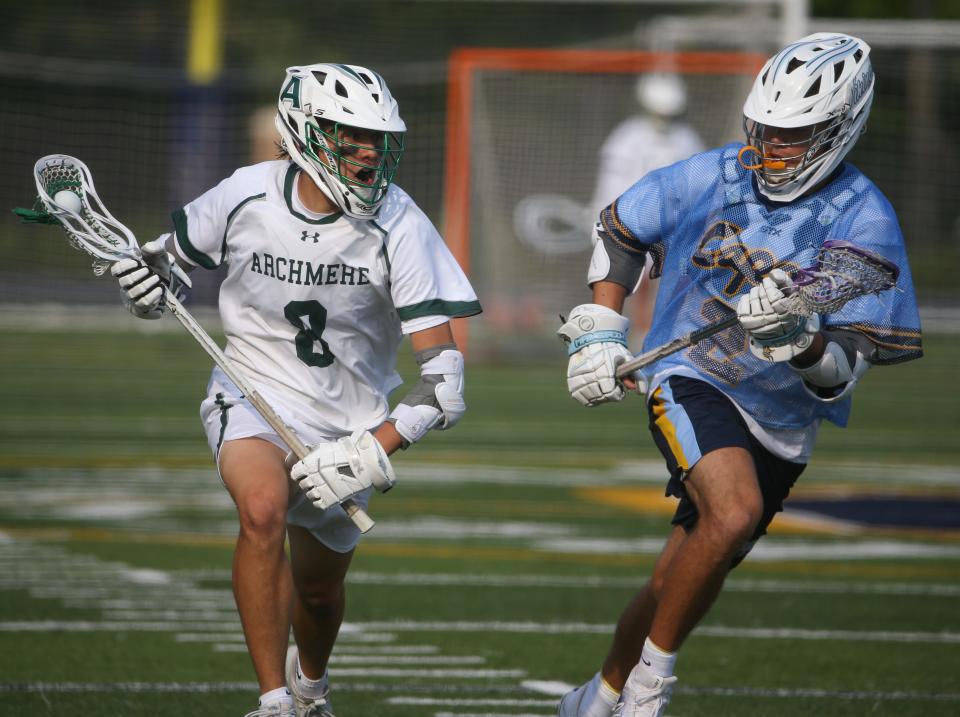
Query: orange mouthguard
[761,162]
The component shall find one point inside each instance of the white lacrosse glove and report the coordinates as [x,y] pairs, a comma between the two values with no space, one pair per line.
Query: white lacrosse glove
[776,334]
[142,280]
[596,339]
[335,471]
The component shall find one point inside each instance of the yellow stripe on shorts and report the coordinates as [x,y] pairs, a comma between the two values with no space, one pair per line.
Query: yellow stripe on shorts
[667,428]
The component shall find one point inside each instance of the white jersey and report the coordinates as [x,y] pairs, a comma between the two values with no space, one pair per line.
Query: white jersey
[314,307]
[636,147]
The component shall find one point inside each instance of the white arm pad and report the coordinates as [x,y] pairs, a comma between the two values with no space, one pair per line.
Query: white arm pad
[624,269]
[443,408]
[833,371]
[333,472]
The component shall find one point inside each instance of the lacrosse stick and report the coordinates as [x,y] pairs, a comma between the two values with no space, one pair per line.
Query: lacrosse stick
[842,272]
[67,197]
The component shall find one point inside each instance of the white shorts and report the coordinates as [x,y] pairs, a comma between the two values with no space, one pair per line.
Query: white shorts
[227,416]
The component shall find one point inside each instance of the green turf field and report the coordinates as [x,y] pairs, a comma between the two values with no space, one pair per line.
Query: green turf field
[498,566]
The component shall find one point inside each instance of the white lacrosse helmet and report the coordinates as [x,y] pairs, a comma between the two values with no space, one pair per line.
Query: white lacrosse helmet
[823,82]
[319,110]
[662,94]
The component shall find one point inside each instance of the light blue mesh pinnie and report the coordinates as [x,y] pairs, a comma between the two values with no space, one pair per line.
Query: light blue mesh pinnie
[713,237]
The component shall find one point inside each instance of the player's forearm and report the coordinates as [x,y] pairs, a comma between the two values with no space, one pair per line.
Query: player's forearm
[388,437]
[609,294]
[812,354]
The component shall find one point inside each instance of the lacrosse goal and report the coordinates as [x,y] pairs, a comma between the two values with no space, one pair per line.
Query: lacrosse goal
[524,132]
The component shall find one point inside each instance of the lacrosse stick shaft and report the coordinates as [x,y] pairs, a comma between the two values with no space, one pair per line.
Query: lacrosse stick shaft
[653,355]
[353,510]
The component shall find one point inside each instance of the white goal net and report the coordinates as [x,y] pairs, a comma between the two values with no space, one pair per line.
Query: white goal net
[531,167]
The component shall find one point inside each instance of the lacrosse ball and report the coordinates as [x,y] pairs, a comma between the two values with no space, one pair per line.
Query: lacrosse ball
[68,200]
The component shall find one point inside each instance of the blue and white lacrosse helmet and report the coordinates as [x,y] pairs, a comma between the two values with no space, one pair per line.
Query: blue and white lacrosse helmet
[319,112]
[822,83]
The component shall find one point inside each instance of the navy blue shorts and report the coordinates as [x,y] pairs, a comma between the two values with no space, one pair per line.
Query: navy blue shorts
[688,419]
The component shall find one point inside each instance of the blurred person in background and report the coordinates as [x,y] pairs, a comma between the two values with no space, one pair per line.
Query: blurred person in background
[329,265]
[736,416]
[638,145]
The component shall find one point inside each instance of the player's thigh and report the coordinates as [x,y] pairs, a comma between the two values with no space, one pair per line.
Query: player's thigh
[713,458]
[254,474]
[699,430]
[724,482]
[318,571]
[709,454]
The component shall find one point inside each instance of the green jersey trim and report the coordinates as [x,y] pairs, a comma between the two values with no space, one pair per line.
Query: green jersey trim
[292,171]
[453,309]
[183,240]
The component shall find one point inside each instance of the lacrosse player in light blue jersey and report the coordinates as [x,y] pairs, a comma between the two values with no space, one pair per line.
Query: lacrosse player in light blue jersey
[736,415]
[329,264]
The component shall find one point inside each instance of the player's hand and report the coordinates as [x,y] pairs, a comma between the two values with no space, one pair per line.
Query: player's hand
[591,373]
[596,338]
[335,471]
[776,334]
[764,312]
[142,280]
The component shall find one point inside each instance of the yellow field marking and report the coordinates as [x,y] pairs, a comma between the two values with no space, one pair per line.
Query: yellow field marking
[637,500]
[651,501]
[840,569]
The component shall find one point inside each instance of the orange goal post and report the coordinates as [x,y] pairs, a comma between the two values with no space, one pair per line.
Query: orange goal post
[524,129]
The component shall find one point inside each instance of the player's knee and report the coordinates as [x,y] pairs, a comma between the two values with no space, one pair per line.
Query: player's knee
[735,525]
[654,585]
[320,598]
[741,523]
[262,519]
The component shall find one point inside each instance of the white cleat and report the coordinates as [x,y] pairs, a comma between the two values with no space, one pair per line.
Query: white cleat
[644,695]
[274,709]
[576,703]
[306,706]
[570,703]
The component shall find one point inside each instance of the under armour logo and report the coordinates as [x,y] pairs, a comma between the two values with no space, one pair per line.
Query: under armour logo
[304,235]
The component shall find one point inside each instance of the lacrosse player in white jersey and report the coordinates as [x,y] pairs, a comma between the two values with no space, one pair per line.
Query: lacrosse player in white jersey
[329,265]
[736,416]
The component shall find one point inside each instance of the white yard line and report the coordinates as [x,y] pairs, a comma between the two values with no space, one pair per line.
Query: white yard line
[337,673]
[347,686]
[469,702]
[605,582]
[552,713]
[541,628]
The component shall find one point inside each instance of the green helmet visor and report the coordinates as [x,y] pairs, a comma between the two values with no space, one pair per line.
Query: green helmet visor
[365,161]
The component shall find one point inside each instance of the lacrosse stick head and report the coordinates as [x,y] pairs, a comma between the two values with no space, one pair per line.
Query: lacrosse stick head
[89,226]
[843,271]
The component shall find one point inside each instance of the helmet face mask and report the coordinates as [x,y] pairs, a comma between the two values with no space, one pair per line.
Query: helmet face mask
[786,154]
[342,127]
[818,92]
[363,161]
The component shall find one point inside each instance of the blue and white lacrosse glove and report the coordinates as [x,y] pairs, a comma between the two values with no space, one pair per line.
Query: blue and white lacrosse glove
[437,400]
[776,334]
[335,471]
[142,280]
[596,339]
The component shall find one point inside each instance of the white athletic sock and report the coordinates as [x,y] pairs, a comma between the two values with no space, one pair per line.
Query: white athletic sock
[599,698]
[658,662]
[281,694]
[311,688]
